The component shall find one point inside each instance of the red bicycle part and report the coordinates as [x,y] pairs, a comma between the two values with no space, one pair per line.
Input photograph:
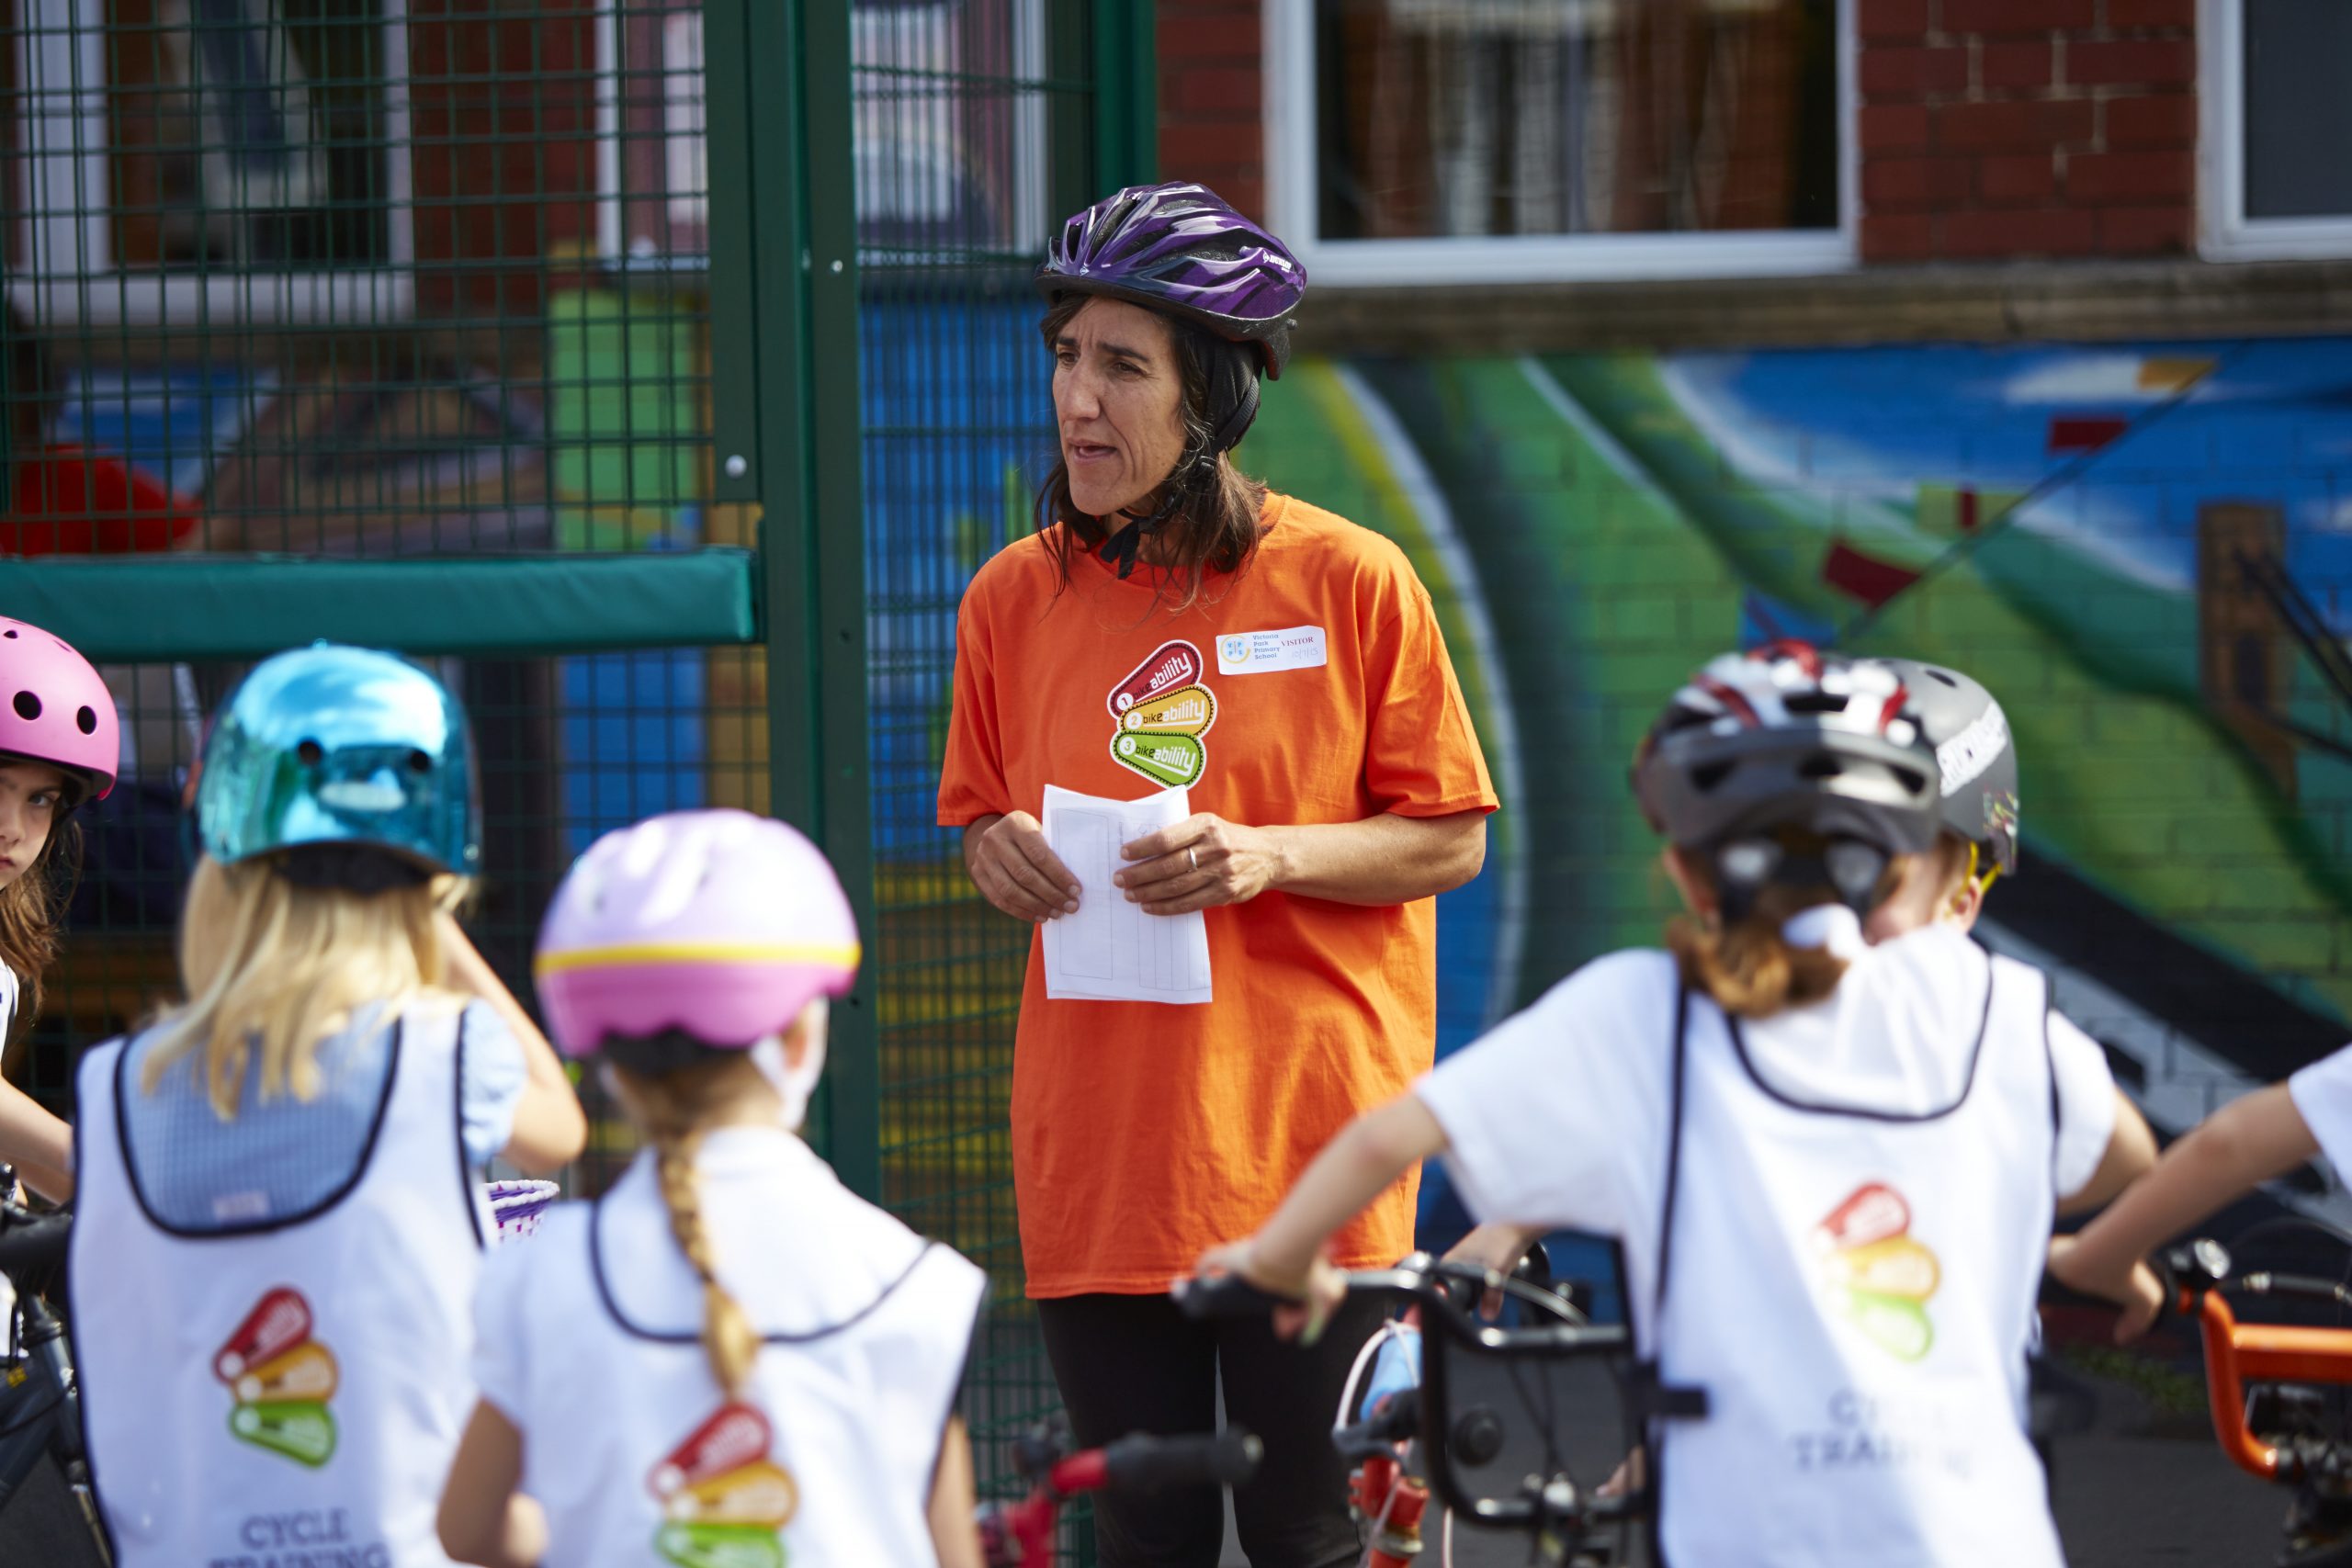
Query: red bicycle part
[1393,1503]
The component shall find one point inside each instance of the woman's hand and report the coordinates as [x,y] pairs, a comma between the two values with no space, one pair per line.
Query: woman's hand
[1310,1296]
[1009,861]
[1200,862]
[2135,1289]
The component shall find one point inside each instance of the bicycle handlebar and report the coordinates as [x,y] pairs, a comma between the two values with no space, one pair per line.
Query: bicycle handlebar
[1446,1293]
[1143,1464]
[2200,1280]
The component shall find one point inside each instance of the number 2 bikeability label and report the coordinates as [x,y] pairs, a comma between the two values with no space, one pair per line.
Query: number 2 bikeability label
[1263,653]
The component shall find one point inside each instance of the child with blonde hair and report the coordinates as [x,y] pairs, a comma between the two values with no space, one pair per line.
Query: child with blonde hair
[729,1360]
[1829,1130]
[278,1227]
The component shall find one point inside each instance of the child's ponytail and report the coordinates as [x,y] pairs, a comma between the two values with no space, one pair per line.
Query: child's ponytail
[672,1109]
[1749,968]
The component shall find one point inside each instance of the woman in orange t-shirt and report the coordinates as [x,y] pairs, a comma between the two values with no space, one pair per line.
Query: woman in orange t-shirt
[1173,624]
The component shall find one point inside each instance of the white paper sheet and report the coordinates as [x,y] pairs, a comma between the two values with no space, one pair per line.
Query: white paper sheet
[1110,950]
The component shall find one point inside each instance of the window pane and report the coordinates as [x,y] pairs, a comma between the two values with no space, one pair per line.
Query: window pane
[2298,109]
[1576,117]
[247,134]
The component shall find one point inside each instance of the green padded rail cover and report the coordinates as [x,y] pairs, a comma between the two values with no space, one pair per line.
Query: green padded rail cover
[191,607]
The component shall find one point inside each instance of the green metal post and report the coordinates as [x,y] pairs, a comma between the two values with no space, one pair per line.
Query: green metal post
[1127,93]
[835,529]
[790,86]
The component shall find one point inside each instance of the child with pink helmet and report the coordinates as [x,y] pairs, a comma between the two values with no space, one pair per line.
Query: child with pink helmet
[59,741]
[728,1358]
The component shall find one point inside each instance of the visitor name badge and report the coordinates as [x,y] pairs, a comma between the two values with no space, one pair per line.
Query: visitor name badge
[1262,653]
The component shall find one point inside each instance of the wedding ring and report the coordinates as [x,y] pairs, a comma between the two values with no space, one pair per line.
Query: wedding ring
[1196,858]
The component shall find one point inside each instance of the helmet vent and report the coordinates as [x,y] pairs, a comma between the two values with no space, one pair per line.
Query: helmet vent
[1707,775]
[85,720]
[1940,675]
[1914,781]
[1820,765]
[418,762]
[1813,702]
[10,632]
[310,753]
[28,706]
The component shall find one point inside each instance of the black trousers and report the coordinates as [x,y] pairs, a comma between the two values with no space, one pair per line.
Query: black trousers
[1136,1364]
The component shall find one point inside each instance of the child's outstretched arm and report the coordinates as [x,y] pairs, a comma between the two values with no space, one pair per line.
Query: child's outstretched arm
[1286,1257]
[39,1145]
[549,1127]
[2230,1153]
[483,1519]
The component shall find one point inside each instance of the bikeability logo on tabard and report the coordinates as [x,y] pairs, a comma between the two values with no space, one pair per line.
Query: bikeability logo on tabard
[724,1501]
[1875,1272]
[281,1379]
[1159,714]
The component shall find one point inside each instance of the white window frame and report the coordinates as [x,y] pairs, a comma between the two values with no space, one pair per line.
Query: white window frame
[1292,209]
[2226,233]
[63,142]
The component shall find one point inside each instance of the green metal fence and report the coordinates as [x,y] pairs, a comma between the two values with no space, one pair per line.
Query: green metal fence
[661,369]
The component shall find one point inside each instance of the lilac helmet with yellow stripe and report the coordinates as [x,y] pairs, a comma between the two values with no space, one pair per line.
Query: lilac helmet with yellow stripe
[716,925]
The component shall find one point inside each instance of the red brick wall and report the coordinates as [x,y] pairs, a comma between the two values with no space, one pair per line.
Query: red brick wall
[1999,128]
[1210,95]
[1989,129]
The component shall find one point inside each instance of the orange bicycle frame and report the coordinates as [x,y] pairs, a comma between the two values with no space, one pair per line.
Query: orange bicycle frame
[2239,1353]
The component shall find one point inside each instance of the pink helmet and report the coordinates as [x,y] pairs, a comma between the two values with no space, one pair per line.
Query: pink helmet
[55,709]
[720,924]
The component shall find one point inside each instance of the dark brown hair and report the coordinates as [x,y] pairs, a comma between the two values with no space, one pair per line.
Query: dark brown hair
[1215,526]
[32,908]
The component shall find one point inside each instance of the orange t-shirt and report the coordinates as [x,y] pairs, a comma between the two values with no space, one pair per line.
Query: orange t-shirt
[1144,1133]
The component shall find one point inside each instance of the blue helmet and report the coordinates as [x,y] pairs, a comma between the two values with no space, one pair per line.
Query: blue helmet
[334,745]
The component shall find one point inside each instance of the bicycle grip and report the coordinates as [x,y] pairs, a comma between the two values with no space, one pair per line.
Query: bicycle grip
[32,1246]
[2054,1295]
[1141,1463]
[1206,1296]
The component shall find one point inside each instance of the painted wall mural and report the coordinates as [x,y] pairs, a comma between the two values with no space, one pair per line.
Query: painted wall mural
[2145,551]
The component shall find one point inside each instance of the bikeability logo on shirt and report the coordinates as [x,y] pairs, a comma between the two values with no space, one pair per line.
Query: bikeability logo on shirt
[1875,1272]
[1159,714]
[724,1501]
[281,1379]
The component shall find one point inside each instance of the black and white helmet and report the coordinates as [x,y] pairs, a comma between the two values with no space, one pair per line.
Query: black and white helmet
[1974,756]
[1787,737]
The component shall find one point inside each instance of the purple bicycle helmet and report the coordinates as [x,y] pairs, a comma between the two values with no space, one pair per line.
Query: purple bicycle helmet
[718,927]
[1178,247]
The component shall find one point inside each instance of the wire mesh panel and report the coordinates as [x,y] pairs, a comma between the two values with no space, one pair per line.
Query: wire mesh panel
[372,280]
[963,126]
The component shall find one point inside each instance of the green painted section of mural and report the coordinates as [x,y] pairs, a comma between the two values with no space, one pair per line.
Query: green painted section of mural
[1625,516]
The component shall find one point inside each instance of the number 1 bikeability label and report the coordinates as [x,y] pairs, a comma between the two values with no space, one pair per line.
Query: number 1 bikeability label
[1263,653]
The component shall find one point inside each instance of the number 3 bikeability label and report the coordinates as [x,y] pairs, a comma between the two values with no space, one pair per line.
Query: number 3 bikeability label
[1263,653]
